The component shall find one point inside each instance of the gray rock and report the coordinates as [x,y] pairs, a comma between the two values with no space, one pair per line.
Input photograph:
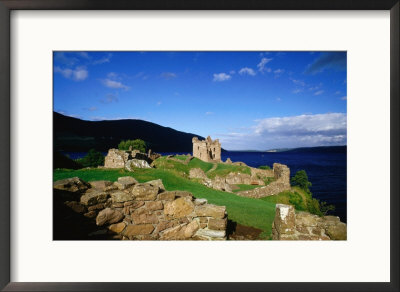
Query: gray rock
[131,164]
[125,182]
[74,184]
[211,233]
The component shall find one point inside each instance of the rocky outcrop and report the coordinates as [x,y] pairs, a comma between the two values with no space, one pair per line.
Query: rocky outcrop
[281,183]
[289,225]
[130,210]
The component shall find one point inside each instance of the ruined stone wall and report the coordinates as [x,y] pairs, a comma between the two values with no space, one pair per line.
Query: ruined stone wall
[262,173]
[129,210]
[207,150]
[289,225]
[129,159]
[281,173]
[116,158]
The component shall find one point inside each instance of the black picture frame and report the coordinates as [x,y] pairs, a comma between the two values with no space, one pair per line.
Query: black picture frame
[6,6]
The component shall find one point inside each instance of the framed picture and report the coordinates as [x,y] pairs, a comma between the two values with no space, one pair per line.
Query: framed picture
[109,181]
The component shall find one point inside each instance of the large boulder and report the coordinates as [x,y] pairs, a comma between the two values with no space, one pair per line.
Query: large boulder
[217,234]
[94,197]
[180,232]
[145,192]
[179,208]
[74,185]
[108,216]
[210,210]
[157,182]
[131,164]
[100,184]
[337,231]
[133,230]
[125,182]
[121,197]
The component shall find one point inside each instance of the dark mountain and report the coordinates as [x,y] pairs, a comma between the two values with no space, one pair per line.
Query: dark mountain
[72,134]
[320,149]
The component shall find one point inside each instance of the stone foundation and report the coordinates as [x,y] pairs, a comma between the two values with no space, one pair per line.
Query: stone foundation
[289,225]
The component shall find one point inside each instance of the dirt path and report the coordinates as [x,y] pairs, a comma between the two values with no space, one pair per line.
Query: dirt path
[213,168]
[238,231]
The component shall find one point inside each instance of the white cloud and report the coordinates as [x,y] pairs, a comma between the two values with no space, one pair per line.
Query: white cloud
[247,71]
[290,132]
[344,98]
[297,90]
[114,84]
[279,71]
[109,98]
[298,82]
[221,77]
[261,65]
[77,74]
[232,72]
[319,92]
[209,113]
[84,55]
[105,59]
[112,75]
[168,75]
[158,103]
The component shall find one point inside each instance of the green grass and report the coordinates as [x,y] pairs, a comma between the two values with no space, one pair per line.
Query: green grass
[224,169]
[245,211]
[197,163]
[181,157]
[268,180]
[245,187]
[182,169]
[264,167]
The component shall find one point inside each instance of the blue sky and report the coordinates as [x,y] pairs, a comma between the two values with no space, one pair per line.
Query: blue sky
[249,100]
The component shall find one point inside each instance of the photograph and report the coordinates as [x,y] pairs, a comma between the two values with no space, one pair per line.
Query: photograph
[199,145]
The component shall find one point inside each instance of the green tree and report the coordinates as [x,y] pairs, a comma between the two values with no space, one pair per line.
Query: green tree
[93,158]
[301,179]
[325,208]
[136,144]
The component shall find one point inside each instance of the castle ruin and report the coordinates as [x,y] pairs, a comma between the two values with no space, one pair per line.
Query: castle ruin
[207,150]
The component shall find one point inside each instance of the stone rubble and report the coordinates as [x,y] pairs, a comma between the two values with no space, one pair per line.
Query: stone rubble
[143,211]
[289,225]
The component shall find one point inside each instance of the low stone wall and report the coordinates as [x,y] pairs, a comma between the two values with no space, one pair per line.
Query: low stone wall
[129,210]
[281,174]
[289,225]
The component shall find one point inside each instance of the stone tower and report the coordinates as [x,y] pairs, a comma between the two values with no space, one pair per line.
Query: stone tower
[207,150]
